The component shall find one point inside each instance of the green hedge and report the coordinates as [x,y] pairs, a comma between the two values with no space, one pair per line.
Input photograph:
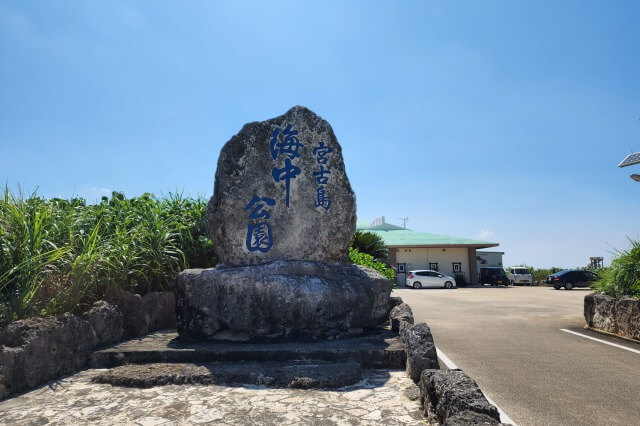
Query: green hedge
[364,259]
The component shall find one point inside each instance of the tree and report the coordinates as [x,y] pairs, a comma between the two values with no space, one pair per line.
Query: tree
[370,243]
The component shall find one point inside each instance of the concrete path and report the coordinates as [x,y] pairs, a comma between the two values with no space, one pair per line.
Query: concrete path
[383,397]
[513,342]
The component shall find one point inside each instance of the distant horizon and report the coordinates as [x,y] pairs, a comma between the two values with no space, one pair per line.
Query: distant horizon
[358,219]
[497,121]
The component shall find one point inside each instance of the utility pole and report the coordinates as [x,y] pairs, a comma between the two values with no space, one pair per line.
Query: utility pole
[404,221]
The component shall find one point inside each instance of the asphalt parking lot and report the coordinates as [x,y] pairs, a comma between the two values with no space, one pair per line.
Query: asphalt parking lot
[518,344]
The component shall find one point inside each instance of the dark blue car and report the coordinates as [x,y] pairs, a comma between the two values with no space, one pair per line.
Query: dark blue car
[571,278]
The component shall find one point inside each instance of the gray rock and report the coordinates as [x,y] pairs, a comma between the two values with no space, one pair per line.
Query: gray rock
[284,299]
[394,301]
[161,308]
[12,371]
[401,318]
[421,350]
[599,312]
[107,322]
[36,350]
[613,315]
[135,317]
[250,217]
[451,397]
[627,317]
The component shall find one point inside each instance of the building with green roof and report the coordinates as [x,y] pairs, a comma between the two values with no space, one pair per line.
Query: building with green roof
[410,250]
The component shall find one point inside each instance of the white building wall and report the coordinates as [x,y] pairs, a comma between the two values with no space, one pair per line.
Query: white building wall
[419,258]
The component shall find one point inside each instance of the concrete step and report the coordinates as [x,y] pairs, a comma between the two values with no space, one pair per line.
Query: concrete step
[297,374]
[379,349]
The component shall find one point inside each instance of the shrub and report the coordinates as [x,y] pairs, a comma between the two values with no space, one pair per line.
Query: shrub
[622,278]
[364,259]
[541,274]
[461,281]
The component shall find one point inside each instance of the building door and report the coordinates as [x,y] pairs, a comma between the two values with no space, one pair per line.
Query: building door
[401,274]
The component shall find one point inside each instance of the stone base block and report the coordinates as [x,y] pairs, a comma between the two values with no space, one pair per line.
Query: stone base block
[296,374]
[280,300]
[380,348]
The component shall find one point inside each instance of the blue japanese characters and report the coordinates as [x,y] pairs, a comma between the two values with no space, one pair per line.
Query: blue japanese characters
[285,143]
[320,151]
[259,235]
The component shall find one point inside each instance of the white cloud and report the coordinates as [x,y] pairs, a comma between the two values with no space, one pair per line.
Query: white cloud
[485,234]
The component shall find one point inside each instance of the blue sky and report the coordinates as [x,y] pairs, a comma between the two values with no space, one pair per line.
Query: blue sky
[496,120]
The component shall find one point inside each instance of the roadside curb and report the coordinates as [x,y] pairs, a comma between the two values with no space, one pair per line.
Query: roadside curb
[447,396]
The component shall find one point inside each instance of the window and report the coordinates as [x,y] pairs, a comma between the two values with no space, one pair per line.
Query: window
[433,266]
[457,267]
[402,268]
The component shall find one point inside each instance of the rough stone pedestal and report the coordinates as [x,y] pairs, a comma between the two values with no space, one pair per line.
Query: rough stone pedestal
[280,300]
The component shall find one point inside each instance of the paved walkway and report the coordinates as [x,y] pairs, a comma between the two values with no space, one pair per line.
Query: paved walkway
[383,397]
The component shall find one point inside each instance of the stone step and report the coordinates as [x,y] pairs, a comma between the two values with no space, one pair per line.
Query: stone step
[379,349]
[298,374]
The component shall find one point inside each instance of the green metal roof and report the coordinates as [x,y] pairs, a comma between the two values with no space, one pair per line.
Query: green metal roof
[362,224]
[396,236]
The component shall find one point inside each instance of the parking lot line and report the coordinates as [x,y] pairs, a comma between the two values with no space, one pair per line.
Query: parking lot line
[445,359]
[601,341]
[452,366]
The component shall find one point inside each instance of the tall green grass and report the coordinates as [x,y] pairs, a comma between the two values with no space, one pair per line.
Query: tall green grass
[622,278]
[61,255]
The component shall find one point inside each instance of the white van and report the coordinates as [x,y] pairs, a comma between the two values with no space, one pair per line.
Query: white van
[520,275]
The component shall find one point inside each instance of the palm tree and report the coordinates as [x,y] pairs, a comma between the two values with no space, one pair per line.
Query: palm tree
[370,243]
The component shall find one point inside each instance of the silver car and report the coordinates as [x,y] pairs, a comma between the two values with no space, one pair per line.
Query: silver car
[427,278]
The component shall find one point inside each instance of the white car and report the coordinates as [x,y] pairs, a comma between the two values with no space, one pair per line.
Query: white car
[520,275]
[427,278]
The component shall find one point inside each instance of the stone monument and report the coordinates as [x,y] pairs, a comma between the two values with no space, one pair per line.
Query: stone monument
[281,218]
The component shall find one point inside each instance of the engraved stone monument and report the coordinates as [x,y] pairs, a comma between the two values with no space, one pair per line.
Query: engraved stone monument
[281,219]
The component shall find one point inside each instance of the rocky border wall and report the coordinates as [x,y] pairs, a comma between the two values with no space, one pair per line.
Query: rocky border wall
[451,397]
[36,350]
[619,316]
[447,397]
